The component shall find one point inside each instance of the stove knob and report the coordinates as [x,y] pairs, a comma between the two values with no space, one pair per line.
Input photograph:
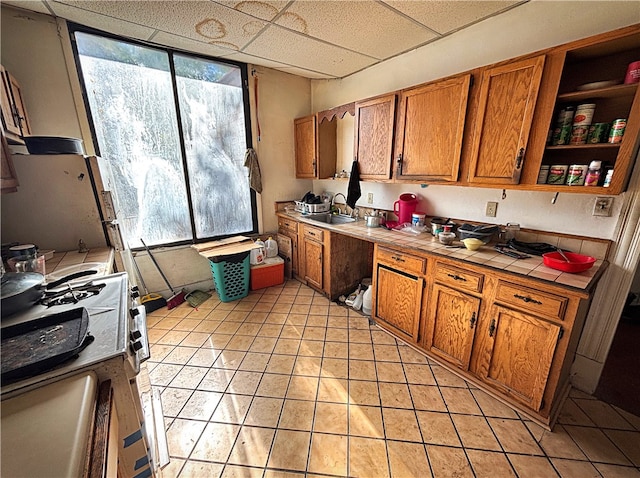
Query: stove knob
[134,312]
[135,346]
[135,292]
[135,334]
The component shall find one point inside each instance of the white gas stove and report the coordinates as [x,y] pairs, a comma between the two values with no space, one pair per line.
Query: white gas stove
[117,323]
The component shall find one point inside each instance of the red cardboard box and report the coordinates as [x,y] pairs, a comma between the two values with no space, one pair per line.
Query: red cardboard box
[267,274]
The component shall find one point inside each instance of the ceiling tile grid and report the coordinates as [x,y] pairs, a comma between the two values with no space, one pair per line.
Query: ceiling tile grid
[310,38]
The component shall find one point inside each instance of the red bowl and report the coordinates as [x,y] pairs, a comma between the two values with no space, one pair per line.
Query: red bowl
[577,262]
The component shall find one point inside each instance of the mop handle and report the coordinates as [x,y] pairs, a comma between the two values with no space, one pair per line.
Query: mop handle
[157,266]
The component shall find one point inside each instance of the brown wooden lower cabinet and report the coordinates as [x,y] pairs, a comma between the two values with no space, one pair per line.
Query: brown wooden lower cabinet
[451,325]
[513,336]
[313,258]
[398,290]
[518,354]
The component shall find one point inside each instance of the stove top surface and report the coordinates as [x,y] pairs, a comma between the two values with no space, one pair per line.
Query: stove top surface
[108,317]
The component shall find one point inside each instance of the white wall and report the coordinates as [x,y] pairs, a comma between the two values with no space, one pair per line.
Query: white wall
[530,27]
[281,98]
[33,51]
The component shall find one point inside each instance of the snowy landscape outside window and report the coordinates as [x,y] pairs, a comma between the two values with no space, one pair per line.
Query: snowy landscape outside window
[176,175]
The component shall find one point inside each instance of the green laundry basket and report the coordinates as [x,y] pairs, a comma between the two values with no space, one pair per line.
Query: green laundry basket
[231,275]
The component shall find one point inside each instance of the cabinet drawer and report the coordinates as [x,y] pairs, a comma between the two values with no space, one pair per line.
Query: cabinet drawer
[540,303]
[404,262]
[288,224]
[458,278]
[313,233]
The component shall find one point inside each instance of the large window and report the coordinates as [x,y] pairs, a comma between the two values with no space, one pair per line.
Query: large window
[172,130]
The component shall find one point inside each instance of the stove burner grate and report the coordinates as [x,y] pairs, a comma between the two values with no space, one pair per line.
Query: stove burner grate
[71,295]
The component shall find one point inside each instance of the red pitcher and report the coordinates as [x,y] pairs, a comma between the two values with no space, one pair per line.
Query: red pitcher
[405,206]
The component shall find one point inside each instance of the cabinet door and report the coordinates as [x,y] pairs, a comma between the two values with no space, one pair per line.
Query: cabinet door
[374,123]
[451,324]
[305,143]
[518,355]
[430,130]
[507,98]
[313,261]
[9,117]
[398,300]
[20,110]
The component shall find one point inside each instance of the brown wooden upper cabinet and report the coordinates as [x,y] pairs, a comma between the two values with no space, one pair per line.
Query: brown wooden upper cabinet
[507,98]
[14,116]
[430,129]
[373,145]
[315,144]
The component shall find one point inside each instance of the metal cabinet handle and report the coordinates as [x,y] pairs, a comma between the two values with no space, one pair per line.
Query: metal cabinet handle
[527,299]
[473,320]
[315,164]
[457,277]
[311,233]
[399,162]
[492,327]
[398,259]
[519,158]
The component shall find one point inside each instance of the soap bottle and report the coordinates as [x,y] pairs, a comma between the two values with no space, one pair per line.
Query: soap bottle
[593,174]
[271,247]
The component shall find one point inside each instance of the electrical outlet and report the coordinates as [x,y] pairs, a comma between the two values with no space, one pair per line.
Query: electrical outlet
[369,198]
[492,209]
[602,206]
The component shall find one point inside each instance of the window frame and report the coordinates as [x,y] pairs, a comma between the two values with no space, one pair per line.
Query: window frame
[75,27]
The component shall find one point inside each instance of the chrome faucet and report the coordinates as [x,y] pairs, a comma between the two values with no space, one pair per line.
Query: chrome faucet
[354,211]
[345,201]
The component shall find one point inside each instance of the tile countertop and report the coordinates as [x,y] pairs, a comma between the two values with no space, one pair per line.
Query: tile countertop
[65,263]
[486,255]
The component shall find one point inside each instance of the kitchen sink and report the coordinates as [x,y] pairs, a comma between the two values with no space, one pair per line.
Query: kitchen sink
[331,218]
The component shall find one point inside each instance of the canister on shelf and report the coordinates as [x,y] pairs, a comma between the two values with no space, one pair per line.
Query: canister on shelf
[593,174]
[617,130]
[607,178]
[581,123]
[633,73]
[543,174]
[557,174]
[562,130]
[598,133]
[577,174]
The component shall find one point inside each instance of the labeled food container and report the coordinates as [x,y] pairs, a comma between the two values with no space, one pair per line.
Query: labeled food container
[607,178]
[617,130]
[598,133]
[417,219]
[562,130]
[576,174]
[581,123]
[633,73]
[543,174]
[557,174]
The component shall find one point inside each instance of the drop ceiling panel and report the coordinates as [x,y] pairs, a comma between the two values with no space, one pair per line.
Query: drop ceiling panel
[199,20]
[102,22]
[265,10]
[187,44]
[284,46]
[312,38]
[448,15]
[367,26]
[33,5]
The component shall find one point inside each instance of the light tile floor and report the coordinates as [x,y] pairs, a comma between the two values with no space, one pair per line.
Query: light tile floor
[284,383]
